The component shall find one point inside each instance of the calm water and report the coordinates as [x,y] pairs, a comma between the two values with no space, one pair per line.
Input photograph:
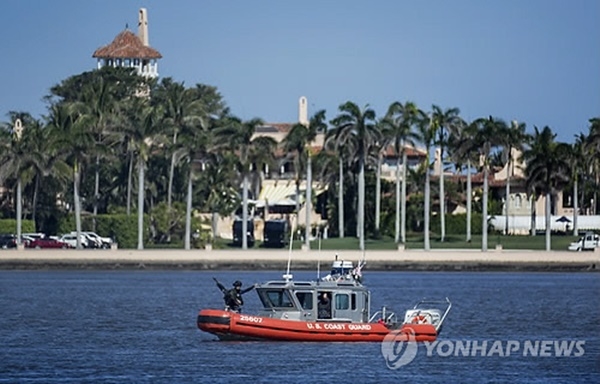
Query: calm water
[140,326]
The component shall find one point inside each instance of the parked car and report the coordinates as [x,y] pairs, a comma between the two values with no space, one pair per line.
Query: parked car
[8,241]
[588,242]
[47,242]
[102,242]
[71,239]
[26,239]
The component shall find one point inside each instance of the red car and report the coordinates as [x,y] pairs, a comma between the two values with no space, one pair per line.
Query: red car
[47,243]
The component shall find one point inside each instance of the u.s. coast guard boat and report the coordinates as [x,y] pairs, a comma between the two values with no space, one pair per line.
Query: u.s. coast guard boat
[334,308]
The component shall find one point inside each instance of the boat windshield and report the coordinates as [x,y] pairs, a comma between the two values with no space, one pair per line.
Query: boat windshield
[275,298]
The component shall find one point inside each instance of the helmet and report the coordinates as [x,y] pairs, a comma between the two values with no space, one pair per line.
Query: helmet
[237,283]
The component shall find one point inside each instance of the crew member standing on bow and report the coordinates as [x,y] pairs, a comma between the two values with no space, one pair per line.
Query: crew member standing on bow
[233,297]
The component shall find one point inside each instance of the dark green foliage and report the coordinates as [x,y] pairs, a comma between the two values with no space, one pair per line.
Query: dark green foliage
[9,226]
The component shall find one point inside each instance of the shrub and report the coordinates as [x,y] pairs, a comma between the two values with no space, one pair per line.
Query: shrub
[9,226]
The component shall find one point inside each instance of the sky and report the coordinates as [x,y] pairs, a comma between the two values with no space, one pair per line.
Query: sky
[533,61]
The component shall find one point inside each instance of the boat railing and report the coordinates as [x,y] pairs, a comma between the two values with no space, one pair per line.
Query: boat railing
[445,302]
[385,315]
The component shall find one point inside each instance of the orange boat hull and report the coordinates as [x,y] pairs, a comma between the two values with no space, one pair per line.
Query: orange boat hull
[235,326]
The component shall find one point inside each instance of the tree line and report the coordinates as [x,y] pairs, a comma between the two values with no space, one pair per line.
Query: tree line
[110,135]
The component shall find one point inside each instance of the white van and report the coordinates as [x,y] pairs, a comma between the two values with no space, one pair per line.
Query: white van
[588,242]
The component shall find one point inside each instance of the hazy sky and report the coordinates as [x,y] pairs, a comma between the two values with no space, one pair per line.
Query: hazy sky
[535,61]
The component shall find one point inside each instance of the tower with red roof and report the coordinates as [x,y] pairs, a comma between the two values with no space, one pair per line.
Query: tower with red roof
[131,50]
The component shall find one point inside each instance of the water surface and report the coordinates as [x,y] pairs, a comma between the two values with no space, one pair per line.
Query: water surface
[140,326]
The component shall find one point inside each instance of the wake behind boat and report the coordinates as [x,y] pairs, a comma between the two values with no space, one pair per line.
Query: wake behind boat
[335,308]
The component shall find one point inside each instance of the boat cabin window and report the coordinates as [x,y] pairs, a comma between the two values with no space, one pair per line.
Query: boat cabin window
[305,299]
[277,298]
[342,301]
[353,301]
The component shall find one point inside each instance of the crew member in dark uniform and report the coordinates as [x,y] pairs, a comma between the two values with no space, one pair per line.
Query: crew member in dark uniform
[233,297]
[324,306]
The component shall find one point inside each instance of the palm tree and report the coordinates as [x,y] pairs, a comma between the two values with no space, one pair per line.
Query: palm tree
[593,144]
[329,164]
[181,110]
[76,142]
[11,155]
[23,156]
[340,146]
[463,152]
[398,132]
[547,166]
[577,163]
[97,97]
[238,135]
[144,130]
[512,138]
[96,93]
[298,143]
[197,144]
[426,133]
[486,139]
[360,124]
[193,114]
[444,123]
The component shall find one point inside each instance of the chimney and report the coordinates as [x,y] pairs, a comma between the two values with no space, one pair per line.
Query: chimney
[302,111]
[143,26]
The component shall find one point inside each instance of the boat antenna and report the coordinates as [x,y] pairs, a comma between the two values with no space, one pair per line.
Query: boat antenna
[288,276]
[363,262]
[318,269]
[318,259]
[320,237]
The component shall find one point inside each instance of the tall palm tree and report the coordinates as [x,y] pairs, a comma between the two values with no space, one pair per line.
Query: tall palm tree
[24,157]
[426,133]
[330,164]
[352,121]
[144,129]
[398,131]
[298,142]
[577,160]
[193,113]
[76,142]
[98,99]
[340,146]
[181,110]
[512,137]
[593,143]
[96,93]
[486,140]
[196,148]
[238,135]
[445,122]
[464,153]
[546,165]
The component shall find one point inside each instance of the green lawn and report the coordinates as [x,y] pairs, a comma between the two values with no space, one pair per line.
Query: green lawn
[559,243]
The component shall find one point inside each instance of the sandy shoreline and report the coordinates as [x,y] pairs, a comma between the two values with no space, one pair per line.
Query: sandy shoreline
[435,260]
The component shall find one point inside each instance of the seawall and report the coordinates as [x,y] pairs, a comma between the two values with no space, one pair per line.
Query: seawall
[235,259]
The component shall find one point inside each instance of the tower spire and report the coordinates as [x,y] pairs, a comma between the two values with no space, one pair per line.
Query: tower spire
[143,26]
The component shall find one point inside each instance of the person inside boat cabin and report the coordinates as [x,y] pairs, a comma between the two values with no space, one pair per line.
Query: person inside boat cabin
[233,297]
[324,306]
